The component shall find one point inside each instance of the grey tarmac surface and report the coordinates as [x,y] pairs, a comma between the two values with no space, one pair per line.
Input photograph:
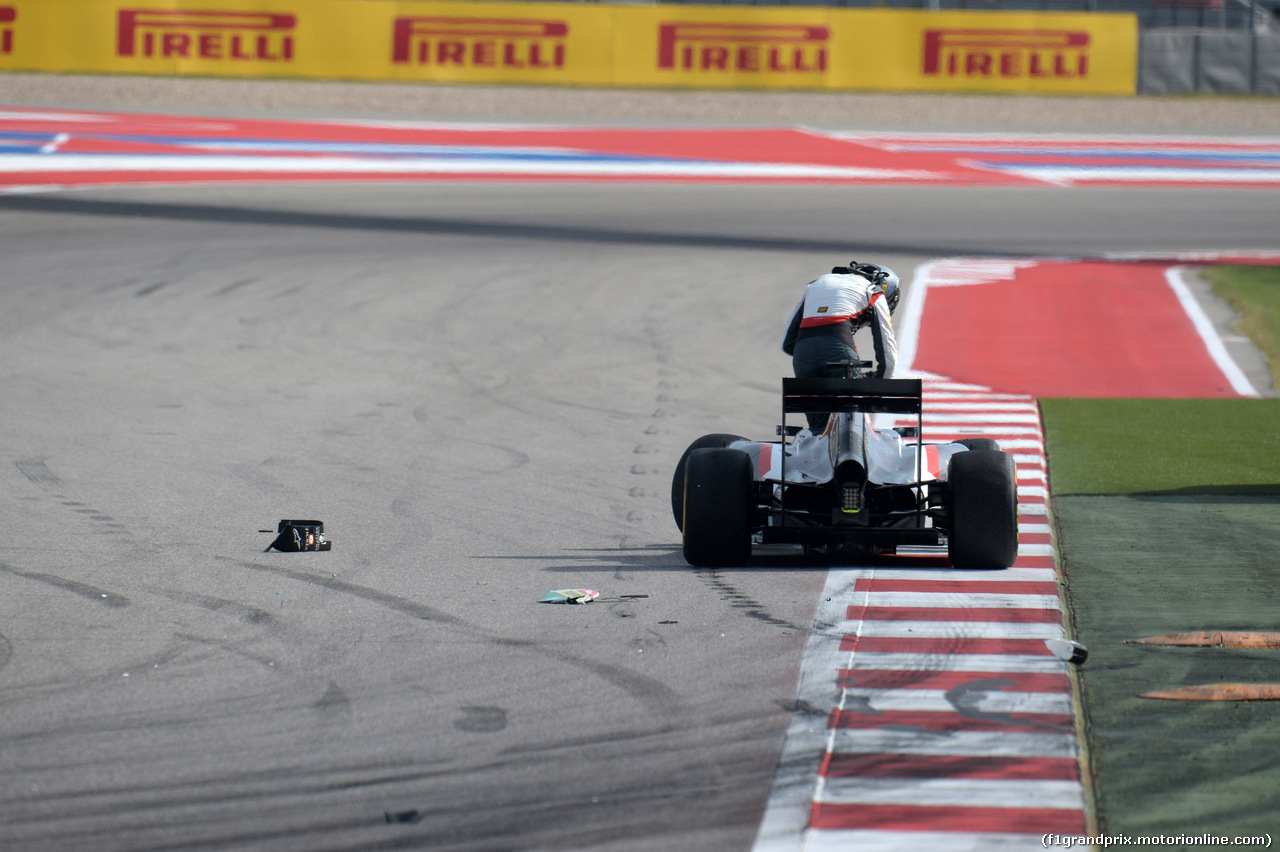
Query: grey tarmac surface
[482,390]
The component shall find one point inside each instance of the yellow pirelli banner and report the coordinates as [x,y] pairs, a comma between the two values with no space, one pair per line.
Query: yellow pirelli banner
[667,46]
[875,49]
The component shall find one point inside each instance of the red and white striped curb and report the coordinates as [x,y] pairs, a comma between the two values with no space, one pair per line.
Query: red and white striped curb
[931,714]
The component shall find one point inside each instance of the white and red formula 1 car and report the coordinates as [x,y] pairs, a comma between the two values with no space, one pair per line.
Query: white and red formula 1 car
[852,488]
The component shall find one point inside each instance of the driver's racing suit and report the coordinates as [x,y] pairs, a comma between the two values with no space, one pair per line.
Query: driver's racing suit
[821,328]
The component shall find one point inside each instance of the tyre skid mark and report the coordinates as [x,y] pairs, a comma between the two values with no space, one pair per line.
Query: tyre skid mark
[75,587]
[642,688]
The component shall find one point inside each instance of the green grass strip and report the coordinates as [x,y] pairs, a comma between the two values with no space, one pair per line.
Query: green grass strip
[1254,293]
[1186,446]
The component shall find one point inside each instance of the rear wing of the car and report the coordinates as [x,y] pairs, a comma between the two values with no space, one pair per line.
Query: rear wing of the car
[890,396]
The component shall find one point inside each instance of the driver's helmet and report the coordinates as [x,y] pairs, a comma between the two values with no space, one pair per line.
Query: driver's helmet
[882,277]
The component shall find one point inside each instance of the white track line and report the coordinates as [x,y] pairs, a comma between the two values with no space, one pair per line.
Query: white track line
[1204,327]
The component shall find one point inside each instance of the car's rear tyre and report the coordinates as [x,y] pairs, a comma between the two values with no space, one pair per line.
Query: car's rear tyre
[719,501]
[979,443]
[984,510]
[715,441]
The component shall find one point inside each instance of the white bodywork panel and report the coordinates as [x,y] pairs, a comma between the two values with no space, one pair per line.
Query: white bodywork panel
[889,458]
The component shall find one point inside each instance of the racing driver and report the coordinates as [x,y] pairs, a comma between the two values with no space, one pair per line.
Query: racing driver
[821,328]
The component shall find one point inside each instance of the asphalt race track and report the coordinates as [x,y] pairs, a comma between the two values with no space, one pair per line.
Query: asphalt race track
[481,389]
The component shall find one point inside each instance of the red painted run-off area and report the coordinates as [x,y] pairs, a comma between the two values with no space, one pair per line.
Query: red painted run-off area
[1061,328]
[86,148]
[50,147]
